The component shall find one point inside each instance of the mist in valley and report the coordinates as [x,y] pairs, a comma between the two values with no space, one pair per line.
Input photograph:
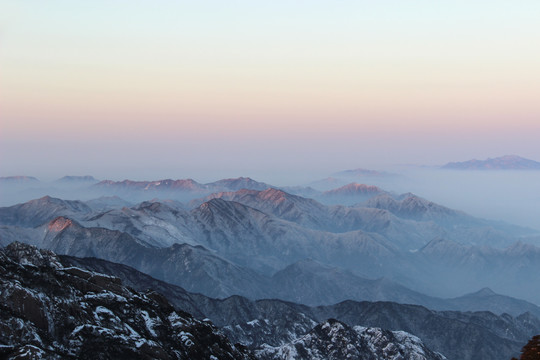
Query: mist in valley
[510,196]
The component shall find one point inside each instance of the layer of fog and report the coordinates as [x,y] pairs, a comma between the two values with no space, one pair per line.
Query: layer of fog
[510,196]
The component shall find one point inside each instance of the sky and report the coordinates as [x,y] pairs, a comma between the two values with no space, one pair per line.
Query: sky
[268,89]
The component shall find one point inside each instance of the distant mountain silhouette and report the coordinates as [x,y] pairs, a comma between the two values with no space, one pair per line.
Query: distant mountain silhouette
[17,179]
[507,162]
[77,179]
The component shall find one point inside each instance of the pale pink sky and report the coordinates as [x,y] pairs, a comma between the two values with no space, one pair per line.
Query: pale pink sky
[248,87]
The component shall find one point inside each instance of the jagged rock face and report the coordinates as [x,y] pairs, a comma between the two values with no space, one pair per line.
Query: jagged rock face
[335,340]
[457,336]
[274,323]
[50,311]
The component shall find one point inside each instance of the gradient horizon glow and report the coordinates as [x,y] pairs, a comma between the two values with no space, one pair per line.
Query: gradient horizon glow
[206,89]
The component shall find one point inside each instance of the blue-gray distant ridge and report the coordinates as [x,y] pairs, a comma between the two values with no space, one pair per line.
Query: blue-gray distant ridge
[507,162]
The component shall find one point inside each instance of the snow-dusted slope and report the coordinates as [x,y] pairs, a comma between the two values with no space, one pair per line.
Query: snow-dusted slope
[244,235]
[407,221]
[334,340]
[53,312]
[458,335]
[39,211]
[192,267]
[266,231]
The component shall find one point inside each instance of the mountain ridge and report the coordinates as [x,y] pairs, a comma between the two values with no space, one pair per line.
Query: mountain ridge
[506,162]
[256,322]
[248,240]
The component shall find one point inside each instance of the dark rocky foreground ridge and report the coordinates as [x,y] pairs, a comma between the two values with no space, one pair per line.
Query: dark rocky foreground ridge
[457,335]
[335,340]
[49,311]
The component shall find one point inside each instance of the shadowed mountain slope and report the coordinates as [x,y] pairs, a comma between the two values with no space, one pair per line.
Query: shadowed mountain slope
[458,335]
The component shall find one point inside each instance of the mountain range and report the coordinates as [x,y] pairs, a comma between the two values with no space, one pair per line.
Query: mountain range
[118,319]
[507,162]
[222,255]
[250,242]
[182,189]
[276,322]
[18,179]
[70,179]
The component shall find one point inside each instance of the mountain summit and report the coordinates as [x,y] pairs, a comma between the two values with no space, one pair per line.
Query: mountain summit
[507,162]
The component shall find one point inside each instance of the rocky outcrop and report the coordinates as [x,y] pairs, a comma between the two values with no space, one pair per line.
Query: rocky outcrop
[333,339]
[55,312]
